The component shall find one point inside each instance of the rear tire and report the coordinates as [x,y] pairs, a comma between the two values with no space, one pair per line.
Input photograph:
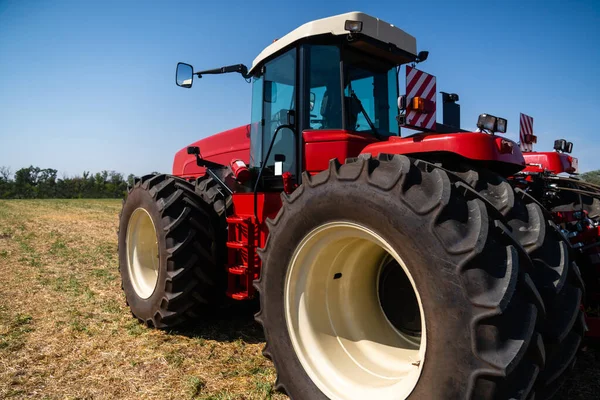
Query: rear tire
[188,260]
[556,277]
[479,308]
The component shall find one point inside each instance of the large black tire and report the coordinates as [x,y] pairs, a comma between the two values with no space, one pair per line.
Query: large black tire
[212,194]
[556,277]
[480,307]
[191,251]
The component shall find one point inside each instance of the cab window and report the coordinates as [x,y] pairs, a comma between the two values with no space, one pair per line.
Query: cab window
[370,93]
[324,82]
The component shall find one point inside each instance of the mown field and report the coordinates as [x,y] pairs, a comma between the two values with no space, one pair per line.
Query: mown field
[65,332]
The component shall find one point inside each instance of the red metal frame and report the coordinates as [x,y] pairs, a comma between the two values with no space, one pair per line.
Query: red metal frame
[245,235]
[550,161]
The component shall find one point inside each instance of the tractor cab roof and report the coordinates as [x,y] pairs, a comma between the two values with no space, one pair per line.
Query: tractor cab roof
[398,46]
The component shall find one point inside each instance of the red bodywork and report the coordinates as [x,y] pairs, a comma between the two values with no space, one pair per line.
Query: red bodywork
[220,148]
[248,233]
[320,146]
[550,161]
[471,145]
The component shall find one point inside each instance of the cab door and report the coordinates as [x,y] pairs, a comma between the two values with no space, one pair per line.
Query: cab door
[279,108]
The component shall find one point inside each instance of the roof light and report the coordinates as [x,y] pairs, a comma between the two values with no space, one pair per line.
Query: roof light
[353,26]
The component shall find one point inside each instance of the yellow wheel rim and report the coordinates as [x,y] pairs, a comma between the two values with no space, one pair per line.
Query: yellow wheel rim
[142,253]
[337,325]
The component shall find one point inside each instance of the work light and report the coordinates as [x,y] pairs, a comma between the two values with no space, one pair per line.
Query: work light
[490,123]
[569,147]
[353,26]
[501,124]
[559,145]
[487,122]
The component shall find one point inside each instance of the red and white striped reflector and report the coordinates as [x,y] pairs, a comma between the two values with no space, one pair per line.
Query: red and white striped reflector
[526,128]
[420,84]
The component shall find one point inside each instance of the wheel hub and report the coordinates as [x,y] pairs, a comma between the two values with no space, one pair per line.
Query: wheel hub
[398,299]
[142,253]
[344,294]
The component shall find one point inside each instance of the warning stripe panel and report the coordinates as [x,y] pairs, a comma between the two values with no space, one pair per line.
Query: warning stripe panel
[423,85]
[525,128]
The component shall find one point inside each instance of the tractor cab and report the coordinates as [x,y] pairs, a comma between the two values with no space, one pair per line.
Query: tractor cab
[329,76]
[336,78]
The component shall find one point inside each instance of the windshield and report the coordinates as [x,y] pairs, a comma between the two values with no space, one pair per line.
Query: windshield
[371,93]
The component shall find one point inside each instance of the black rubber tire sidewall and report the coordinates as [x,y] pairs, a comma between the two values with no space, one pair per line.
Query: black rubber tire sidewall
[412,240]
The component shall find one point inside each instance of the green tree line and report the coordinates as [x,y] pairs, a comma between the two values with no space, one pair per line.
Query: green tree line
[44,183]
[592,177]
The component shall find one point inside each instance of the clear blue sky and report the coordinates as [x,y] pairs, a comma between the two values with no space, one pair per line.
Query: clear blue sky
[89,85]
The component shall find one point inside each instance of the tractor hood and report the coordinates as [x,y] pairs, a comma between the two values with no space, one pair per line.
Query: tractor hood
[221,148]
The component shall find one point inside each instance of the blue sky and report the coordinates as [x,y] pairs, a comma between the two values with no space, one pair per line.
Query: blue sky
[89,85]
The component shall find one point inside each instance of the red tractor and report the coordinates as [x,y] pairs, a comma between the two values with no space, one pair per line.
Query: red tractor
[551,178]
[387,267]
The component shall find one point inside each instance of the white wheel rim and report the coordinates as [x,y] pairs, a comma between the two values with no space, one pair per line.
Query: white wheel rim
[338,328]
[142,253]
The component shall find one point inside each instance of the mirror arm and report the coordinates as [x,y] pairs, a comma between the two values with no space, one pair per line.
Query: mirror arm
[240,68]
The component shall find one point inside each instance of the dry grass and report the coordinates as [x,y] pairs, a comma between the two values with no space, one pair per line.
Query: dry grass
[65,332]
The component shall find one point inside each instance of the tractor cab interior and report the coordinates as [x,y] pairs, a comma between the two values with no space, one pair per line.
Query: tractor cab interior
[326,86]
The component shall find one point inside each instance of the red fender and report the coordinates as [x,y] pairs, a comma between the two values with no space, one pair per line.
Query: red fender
[471,145]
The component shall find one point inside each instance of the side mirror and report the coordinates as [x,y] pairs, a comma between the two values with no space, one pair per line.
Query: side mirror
[312,100]
[185,75]
[402,102]
[193,150]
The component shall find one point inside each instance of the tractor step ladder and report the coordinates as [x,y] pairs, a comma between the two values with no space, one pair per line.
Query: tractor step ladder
[242,262]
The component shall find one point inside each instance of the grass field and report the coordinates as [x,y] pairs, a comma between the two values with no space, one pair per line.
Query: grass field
[65,332]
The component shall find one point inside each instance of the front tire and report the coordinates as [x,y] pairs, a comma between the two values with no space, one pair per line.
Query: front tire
[327,330]
[170,256]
